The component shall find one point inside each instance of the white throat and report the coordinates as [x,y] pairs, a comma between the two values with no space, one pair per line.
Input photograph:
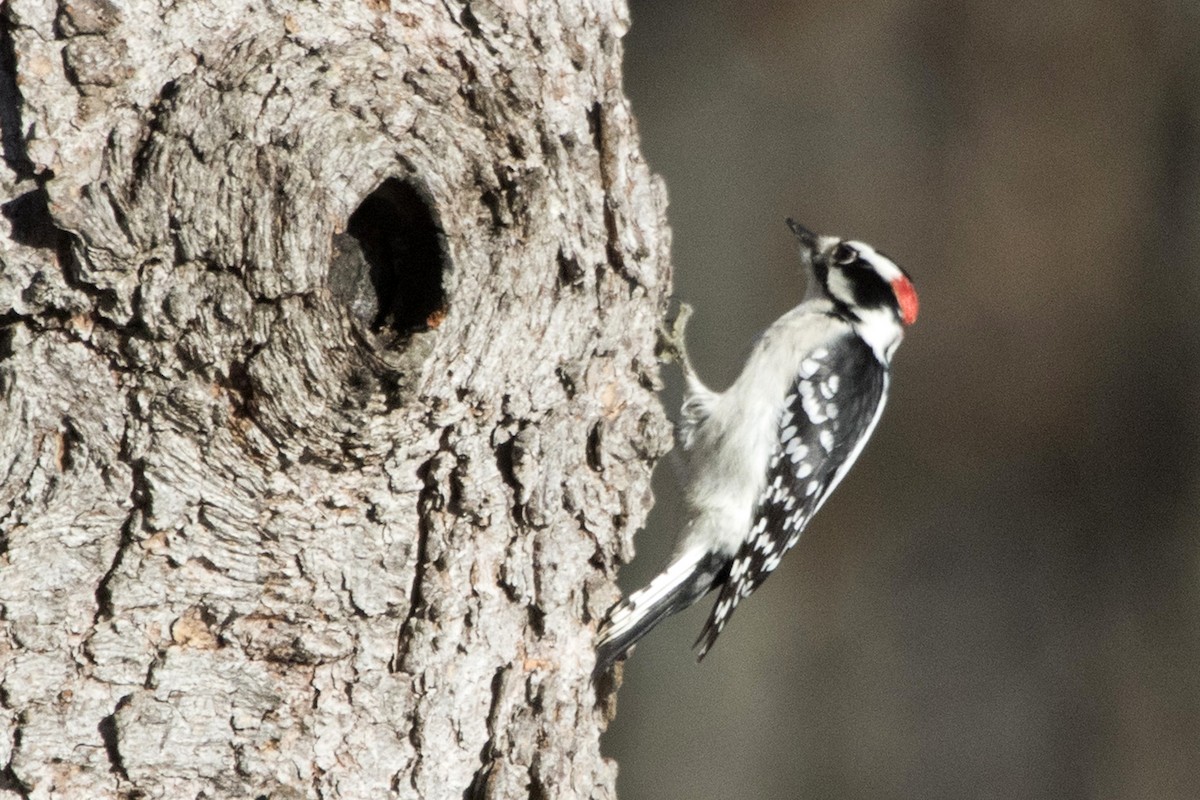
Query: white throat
[879,328]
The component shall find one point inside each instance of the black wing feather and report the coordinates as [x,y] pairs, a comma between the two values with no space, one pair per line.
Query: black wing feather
[823,421]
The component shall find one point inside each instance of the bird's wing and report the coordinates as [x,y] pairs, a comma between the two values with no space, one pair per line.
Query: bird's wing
[824,425]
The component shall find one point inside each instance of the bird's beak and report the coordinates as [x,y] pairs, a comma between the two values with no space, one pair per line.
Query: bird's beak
[806,237]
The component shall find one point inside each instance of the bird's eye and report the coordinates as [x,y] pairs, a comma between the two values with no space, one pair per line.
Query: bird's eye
[844,255]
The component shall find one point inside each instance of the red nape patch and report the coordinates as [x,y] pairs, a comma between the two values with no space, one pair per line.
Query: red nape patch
[906,296]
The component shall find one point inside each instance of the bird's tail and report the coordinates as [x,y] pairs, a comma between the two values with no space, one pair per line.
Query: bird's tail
[685,580]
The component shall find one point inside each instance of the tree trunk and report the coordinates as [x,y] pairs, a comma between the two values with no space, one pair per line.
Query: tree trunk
[327,394]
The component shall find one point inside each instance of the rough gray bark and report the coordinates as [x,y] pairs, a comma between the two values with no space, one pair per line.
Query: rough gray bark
[299,500]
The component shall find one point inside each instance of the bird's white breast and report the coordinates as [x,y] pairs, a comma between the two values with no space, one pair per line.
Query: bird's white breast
[735,443]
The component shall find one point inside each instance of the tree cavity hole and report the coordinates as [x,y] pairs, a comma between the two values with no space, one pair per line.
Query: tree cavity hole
[389,265]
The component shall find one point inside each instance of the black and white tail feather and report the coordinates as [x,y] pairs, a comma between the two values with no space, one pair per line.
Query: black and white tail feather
[763,456]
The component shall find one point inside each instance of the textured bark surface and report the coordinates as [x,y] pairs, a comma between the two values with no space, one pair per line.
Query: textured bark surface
[299,500]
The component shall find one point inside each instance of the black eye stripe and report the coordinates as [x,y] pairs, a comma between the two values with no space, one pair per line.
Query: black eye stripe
[872,291]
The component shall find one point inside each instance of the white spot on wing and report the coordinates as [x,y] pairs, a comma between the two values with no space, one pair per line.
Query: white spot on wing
[722,612]
[812,406]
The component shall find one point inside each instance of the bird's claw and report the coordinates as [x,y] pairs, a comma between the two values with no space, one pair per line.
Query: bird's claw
[671,344]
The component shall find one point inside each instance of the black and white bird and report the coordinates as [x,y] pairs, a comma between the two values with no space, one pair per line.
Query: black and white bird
[764,455]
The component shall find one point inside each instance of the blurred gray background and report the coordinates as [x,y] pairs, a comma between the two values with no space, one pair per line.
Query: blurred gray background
[1002,600]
